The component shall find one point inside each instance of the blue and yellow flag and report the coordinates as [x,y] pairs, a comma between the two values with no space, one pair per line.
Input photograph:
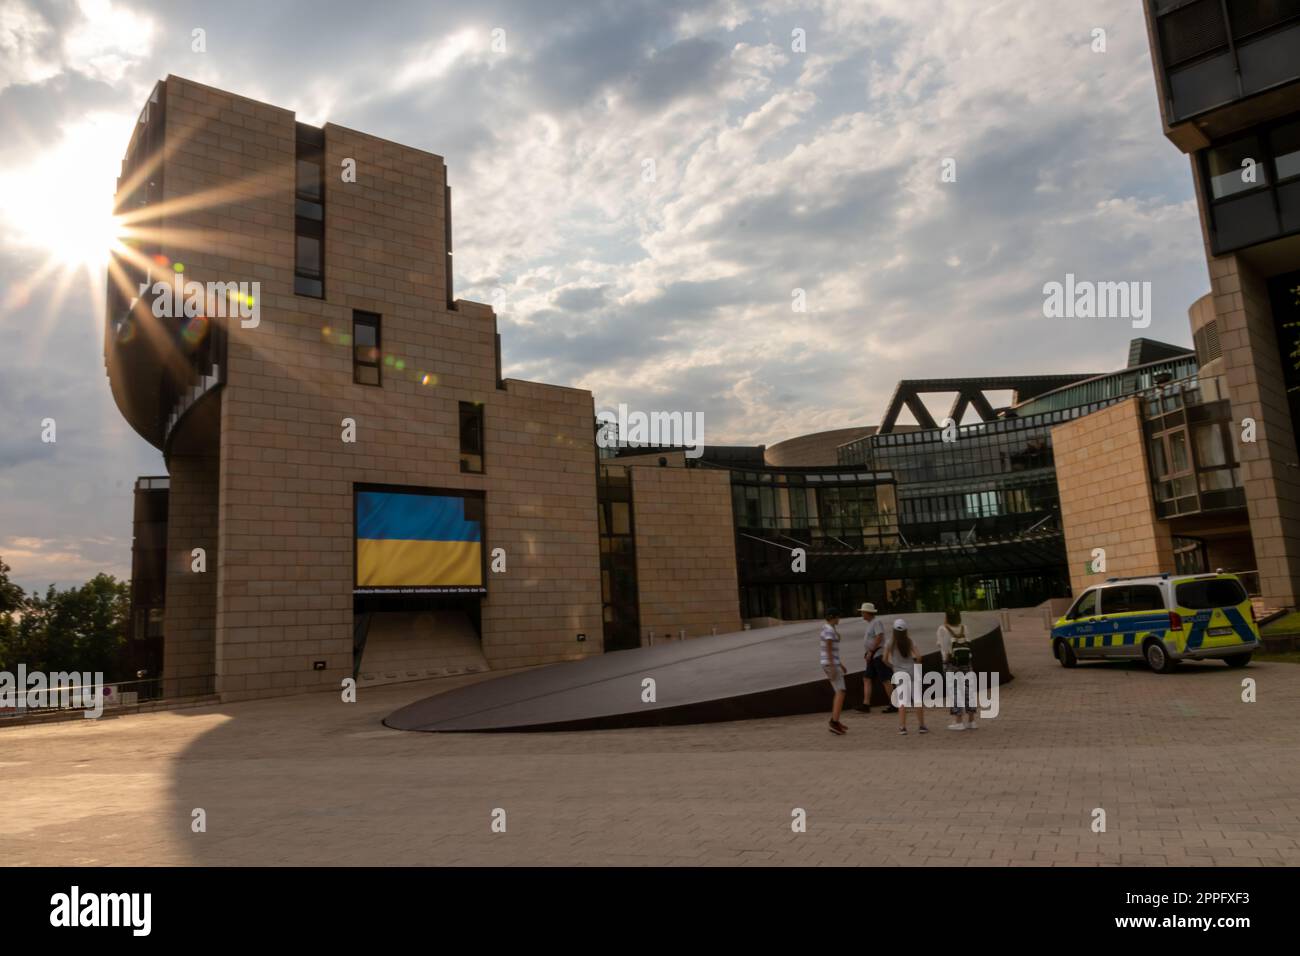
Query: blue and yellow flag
[413,540]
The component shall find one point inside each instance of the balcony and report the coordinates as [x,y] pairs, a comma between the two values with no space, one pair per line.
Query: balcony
[159,368]
[1223,65]
[1191,453]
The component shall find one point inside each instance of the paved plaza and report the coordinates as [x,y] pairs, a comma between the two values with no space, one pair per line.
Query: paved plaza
[1187,773]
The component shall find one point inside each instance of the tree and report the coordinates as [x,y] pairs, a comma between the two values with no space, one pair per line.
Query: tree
[79,629]
[11,607]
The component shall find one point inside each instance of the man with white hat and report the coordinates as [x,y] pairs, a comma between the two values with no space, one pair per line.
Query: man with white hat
[875,670]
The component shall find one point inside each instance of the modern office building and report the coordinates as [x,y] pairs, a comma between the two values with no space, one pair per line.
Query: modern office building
[1228,80]
[354,490]
[923,516]
[347,469]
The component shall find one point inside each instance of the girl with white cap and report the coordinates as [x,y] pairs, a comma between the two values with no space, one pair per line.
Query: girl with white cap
[901,653]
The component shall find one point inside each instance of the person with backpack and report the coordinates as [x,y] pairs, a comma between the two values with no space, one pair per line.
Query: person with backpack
[834,670]
[901,654]
[958,658]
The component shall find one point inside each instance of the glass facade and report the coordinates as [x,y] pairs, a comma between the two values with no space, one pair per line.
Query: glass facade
[1191,452]
[620,607]
[911,521]
[925,519]
[1108,388]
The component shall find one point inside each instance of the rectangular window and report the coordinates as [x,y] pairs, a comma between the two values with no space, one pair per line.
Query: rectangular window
[309,213]
[1131,599]
[308,254]
[621,517]
[1215,592]
[1286,150]
[308,184]
[471,438]
[1236,167]
[366,348]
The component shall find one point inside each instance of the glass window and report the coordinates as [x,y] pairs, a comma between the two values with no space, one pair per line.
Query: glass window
[1286,150]
[1086,606]
[1158,462]
[309,214]
[309,256]
[621,517]
[471,445]
[309,179]
[1213,592]
[1178,451]
[302,285]
[1132,598]
[308,262]
[1220,479]
[1210,449]
[1227,174]
[308,210]
[798,507]
[365,348]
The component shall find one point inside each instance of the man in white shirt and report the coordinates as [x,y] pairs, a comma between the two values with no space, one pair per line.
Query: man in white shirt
[874,647]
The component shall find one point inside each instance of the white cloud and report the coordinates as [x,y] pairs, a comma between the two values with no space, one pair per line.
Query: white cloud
[773,170]
[108,41]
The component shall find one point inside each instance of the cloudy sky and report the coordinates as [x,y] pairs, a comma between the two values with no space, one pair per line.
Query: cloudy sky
[774,170]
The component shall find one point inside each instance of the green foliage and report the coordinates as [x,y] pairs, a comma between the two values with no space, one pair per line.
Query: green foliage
[82,629]
[1286,624]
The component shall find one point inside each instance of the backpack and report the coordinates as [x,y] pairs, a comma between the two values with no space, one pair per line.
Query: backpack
[961,653]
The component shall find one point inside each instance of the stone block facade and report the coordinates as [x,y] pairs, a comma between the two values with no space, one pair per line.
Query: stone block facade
[1270,466]
[189,614]
[1106,499]
[280,495]
[685,551]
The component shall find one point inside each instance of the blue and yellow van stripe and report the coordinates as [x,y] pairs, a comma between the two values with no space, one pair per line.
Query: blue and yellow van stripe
[1116,631]
[1126,630]
[1201,621]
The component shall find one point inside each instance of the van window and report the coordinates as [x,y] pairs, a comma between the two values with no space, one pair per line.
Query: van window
[1213,592]
[1086,606]
[1132,597]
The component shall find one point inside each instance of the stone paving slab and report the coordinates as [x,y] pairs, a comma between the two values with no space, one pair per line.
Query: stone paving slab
[1188,774]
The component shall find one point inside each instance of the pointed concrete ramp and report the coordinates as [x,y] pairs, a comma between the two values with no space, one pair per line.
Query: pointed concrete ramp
[770,672]
[416,645]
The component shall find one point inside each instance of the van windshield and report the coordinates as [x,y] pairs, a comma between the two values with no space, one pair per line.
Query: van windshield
[1217,592]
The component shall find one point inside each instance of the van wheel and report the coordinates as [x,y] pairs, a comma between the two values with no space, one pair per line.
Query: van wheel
[1157,657]
[1238,660]
[1065,653]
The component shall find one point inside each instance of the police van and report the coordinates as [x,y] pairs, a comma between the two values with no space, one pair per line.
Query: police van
[1161,619]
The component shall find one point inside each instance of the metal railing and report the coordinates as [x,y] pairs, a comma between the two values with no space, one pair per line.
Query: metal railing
[117,695]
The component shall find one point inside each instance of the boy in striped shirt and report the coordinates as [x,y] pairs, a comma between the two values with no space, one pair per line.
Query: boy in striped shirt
[830,644]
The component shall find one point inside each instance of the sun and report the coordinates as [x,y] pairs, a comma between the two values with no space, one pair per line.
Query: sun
[61,202]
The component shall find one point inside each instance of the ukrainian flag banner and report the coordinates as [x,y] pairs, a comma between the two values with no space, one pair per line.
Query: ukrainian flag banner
[419,541]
